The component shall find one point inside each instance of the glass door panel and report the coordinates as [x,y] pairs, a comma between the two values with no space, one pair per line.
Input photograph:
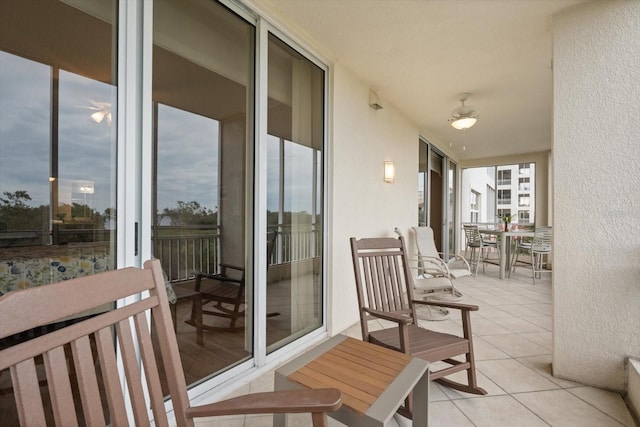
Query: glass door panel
[58,96]
[437,180]
[451,208]
[423,182]
[203,72]
[294,195]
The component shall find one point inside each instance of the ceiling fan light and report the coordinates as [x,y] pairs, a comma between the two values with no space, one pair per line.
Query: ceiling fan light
[98,116]
[464,123]
[464,116]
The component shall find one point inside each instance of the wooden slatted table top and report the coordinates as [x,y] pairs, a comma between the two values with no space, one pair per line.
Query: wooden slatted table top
[360,370]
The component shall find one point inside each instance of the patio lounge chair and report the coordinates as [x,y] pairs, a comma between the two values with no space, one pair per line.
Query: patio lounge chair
[431,264]
[69,361]
[385,292]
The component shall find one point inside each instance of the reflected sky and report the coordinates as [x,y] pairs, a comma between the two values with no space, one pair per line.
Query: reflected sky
[188,153]
[25,97]
[86,149]
[188,149]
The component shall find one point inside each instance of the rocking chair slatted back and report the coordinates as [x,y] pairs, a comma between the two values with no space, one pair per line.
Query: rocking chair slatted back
[74,363]
[382,277]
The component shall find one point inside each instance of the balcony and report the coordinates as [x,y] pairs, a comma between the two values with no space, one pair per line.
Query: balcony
[513,345]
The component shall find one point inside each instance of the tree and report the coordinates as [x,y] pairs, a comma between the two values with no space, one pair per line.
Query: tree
[190,213]
[17,215]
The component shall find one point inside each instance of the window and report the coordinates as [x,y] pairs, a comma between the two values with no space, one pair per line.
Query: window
[523,217]
[474,203]
[512,195]
[423,177]
[504,177]
[504,197]
[524,168]
[490,204]
[504,212]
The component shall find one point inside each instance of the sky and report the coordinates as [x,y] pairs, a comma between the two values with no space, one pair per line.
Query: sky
[187,145]
[86,149]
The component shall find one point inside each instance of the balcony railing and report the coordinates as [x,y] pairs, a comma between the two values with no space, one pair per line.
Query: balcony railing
[184,250]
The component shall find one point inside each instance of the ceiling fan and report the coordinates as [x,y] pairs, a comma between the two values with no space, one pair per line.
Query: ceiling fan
[463,117]
[101,110]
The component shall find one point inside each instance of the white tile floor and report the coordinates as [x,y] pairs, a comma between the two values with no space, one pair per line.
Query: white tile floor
[512,338]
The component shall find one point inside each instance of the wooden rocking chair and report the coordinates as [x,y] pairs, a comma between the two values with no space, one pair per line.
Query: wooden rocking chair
[385,291]
[226,290]
[86,352]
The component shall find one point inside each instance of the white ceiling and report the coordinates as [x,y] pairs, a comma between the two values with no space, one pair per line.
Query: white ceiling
[419,54]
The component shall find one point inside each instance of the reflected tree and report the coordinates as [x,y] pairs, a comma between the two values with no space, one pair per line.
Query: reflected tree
[189,213]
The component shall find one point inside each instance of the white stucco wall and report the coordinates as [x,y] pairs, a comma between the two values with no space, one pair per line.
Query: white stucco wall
[596,152]
[361,203]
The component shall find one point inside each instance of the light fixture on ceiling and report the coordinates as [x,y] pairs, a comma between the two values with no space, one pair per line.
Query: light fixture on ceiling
[464,116]
[102,111]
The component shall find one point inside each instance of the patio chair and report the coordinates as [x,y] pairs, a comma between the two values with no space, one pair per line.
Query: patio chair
[539,249]
[477,245]
[83,355]
[431,263]
[384,288]
[226,290]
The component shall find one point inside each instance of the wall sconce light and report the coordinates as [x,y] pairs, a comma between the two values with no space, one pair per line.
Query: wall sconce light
[374,101]
[389,171]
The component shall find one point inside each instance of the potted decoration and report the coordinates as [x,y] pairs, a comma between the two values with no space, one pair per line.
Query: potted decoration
[506,219]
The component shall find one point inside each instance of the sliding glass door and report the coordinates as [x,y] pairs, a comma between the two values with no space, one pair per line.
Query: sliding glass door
[437,190]
[200,90]
[294,195]
[205,191]
[203,74]
[58,152]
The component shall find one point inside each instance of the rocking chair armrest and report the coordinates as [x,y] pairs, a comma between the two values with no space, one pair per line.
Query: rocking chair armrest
[392,317]
[454,305]
[217,276]
[289,401]
[231,266]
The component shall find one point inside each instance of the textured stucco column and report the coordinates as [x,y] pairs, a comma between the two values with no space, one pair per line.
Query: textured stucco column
[596,153]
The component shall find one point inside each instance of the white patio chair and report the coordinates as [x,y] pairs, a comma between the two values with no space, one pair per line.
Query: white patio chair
[539,248]
[477,245]
[436,272]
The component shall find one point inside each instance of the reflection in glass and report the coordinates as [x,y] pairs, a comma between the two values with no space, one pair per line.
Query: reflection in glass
[423,175]
[451,211]
[294,195]
[57,164]
[202,87]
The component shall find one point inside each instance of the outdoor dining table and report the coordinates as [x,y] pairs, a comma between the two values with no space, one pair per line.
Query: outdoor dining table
[505,242]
